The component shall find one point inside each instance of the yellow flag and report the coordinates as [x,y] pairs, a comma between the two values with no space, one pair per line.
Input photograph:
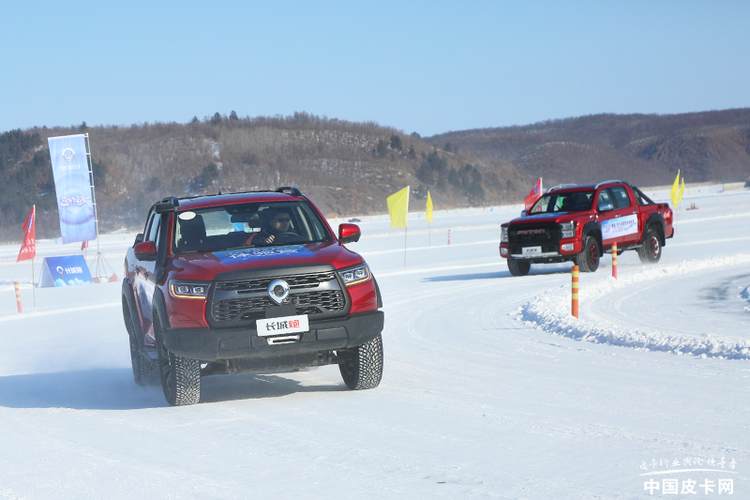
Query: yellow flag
[682,190]
[398,207]
[428,215]
[674,193]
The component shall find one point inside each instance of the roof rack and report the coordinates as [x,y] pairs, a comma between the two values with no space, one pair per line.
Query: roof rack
[561,186]
[606,182]
[291,190]
[172,203]
[166,205]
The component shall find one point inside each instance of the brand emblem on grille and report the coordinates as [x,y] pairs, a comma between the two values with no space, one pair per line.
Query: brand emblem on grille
[278,290]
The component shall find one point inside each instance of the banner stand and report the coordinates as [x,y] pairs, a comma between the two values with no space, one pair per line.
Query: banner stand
[98,267]
[79,216]
[99,264]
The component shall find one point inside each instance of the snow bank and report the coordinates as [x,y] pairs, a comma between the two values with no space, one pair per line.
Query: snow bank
[551,312]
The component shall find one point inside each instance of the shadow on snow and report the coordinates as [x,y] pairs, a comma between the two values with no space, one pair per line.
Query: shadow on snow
[536,270]
[114,389]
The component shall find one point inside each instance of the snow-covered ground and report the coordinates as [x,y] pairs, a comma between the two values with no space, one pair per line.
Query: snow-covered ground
[491,389]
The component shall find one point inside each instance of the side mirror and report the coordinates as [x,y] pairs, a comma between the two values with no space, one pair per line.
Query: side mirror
[524,212]
[349,233]
[145,250]
[606,206]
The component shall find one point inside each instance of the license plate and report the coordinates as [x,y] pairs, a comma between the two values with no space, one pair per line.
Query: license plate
[531,250]
[280,326]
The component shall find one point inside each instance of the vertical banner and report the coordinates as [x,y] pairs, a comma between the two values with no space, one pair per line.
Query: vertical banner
[398,207]
[70,169]
[535,194]
[28,247]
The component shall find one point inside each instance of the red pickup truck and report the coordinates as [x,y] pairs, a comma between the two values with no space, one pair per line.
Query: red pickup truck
[580,223]
[248,282]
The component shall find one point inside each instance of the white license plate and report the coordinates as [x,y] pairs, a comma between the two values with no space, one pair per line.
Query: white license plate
[531,250]
[279,326]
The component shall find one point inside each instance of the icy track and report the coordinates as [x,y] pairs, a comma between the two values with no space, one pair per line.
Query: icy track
[606,321]
[490,389]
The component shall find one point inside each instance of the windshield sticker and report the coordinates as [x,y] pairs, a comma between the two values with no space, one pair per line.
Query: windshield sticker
[622,226]
[246,254]
[186,216]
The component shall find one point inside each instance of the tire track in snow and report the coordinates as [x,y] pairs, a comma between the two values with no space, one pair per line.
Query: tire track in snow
[551,312]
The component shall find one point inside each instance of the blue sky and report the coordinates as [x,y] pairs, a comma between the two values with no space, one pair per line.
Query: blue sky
[426,67]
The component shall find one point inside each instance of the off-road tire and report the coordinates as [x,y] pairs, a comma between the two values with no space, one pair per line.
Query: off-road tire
[145,372]
[650,251]
[519,267]
[180,377]
[588,259]
[363,365]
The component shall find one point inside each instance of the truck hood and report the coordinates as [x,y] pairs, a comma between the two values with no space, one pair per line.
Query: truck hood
[546,217]
[205,265]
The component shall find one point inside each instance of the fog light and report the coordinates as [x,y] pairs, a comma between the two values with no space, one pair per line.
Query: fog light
[568,246]
[503,251]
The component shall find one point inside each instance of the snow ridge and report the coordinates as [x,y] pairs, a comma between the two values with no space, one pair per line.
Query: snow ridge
[551,312]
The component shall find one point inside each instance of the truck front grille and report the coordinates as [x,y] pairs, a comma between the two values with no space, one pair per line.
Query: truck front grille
[261,284]
[545,235]
[317,294]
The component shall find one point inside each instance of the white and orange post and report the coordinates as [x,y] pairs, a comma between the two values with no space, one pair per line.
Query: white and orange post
[449,236]
[18,297]
[614,260]
[574,302]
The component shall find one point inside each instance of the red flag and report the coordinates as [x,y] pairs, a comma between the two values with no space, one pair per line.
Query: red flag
[535,194]
[28,248]
[84,245]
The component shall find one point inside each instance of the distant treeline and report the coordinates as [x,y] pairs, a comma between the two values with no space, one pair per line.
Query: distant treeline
[644,149]
[347,168]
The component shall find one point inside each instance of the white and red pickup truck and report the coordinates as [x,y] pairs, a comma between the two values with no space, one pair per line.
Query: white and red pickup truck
[580,223]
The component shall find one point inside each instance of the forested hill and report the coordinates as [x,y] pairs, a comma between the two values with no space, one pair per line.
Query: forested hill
[643,149]
[345,168]
[350,168]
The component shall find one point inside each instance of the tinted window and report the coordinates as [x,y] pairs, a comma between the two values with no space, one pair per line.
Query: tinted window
[604,199]
[227,227]
[621,196]
[153,228]
[563,202]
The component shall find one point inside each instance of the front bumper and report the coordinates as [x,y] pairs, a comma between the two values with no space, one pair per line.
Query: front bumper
[211,344]
[558,254]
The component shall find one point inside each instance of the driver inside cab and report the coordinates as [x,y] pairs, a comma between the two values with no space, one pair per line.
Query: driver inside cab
[276,222]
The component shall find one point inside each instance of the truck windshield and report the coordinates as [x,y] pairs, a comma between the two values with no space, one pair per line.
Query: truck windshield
[214,229]
[576,201]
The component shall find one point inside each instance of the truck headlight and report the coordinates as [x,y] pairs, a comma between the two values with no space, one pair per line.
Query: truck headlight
[504,235]
[568,229]
[188,289]
[355,275]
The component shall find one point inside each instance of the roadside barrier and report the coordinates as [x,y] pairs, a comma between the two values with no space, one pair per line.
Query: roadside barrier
[18,297]
[574,303]
[614,260]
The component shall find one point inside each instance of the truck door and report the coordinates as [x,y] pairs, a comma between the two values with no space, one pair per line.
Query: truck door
[618,222]
[628,224]
[144,280]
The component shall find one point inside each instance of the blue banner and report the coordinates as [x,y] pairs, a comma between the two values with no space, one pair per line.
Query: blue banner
[229,257]
[70,168]
[69,270]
